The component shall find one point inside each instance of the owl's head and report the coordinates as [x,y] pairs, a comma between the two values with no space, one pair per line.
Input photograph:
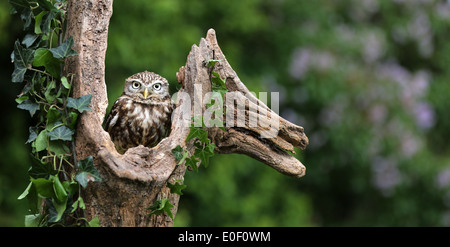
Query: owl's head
[146,87]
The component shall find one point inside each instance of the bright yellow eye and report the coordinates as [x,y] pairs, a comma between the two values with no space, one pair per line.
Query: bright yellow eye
[136,85]
[157,86]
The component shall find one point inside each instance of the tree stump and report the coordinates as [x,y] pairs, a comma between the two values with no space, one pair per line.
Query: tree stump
[133,181]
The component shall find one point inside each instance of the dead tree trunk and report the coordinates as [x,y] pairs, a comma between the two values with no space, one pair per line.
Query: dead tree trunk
[133,181]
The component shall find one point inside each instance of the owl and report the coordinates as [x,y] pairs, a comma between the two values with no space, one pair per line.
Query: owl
[142,114]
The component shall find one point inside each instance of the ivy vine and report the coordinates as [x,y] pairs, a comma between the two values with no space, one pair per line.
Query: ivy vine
[204,147]
[56,176]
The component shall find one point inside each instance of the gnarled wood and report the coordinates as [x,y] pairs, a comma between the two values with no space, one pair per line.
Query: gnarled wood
[134,180]
[245,140]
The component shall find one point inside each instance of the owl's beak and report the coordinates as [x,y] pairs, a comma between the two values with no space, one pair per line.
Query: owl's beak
[145,93]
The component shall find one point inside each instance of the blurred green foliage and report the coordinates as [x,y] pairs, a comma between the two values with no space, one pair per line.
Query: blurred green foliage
[367,79]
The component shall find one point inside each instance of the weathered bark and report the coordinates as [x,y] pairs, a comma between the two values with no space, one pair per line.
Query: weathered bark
[133,181]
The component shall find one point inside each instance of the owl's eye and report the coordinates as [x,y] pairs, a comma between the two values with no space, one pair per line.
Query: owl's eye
[136,84]
[157,86]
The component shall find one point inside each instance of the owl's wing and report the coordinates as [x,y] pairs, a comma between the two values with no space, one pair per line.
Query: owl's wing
[113,115]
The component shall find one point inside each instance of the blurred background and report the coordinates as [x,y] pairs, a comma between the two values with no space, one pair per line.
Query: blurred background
[368,80]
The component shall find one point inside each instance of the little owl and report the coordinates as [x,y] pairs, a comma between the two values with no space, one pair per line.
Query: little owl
[142,114]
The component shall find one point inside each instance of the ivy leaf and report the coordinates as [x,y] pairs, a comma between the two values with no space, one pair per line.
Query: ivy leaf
[48,18]
[179,154]
[73,116]
[61,133]
[87,172]
[176,188]
[212,62]
[56,209]
[44,187]
[29,106]
[41,141]
[25,192]
[24,8]
[200,133]
[161,206]
[81,104]
[33,220]
[19,5]
[79,203]
[53,115]
[50,94]
[41,170]
[60,191]
[192,163]
[205,153]
[45,4]
[58,147]
[43,57]
[38,21]
[71,187]
[95,222]
[219,83]
[29,39]
[22,58]
[32,136]
[64,50]
[65,83]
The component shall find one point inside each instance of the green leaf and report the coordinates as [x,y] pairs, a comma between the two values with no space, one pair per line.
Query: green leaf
[87,172]
[50,92]
[64,50]
[48,18]
[179,154]
[43,57]
[81,203]
[205,153]
[65,83]
[56,195]
[38,21]
[60,192]
[176,188]
[25,192]
[41,142]
[19,5]
[212,62]
[192,163]
[22,99]
[61,133]
[22,58]
[46,5]
[197,132]
[58,147]
[34,202]
[29,39]
[73,116]
[95,222]
[219,83]
[53,115]
[33,220]
[32,136]
[81,104]
[29,106]
[44,187]
[71,187]
[210,148]
[56,209]
[161,206]
[41,170]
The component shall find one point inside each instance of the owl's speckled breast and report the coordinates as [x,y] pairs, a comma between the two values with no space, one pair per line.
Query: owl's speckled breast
[131,123]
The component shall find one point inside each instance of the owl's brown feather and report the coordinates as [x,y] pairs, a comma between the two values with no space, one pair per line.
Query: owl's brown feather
[136,121]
